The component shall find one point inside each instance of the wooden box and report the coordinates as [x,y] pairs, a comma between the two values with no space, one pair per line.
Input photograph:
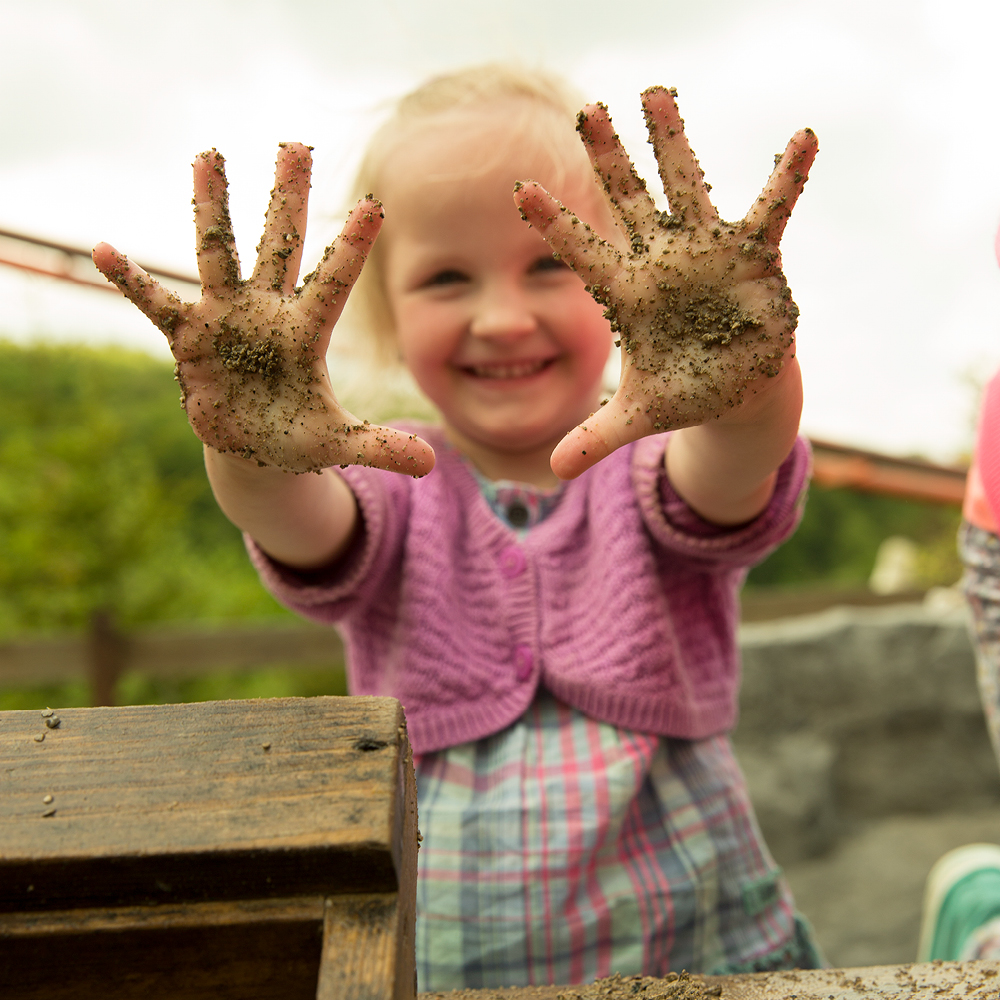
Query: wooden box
[248,849]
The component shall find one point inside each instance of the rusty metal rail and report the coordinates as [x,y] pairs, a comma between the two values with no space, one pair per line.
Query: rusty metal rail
[67,263]
[834,464]
[871,472]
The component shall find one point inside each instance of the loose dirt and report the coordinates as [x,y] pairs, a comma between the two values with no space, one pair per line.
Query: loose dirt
[674,987]
[931,981]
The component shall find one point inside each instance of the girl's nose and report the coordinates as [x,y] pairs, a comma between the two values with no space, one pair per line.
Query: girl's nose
[503,316]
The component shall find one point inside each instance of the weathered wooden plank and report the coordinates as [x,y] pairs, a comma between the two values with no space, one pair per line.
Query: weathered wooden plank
[369,941]
[297,909]
[247,950]
[218,800]
[931,981]
[359,956]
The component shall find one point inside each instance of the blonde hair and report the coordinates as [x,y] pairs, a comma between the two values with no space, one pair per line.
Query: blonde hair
[543,100]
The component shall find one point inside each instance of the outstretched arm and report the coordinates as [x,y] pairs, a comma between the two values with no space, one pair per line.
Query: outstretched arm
[704,314]
[251,363]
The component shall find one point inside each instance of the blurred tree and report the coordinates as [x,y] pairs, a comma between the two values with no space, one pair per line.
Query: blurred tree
[104,504]
[841,530]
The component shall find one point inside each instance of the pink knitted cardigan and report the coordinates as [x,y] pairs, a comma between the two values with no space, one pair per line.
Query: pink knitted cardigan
[622,602]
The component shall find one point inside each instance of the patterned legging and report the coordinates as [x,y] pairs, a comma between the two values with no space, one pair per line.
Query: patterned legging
[980,551]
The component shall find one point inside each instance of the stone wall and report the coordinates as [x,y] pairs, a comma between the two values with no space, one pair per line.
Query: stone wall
[859,713]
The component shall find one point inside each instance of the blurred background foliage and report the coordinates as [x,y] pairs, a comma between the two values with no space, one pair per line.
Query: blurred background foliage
[840,534]
[104,503]
[105,506]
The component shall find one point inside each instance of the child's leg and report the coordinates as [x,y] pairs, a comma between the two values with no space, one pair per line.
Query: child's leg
[980,551]
[962,900]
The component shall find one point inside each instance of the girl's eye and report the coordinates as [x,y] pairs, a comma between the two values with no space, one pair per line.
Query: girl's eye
[449,277]
[548,263]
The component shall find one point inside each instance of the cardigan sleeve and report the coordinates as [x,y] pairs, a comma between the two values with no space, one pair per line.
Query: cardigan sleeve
[675,526]
[327,595]
[986,460]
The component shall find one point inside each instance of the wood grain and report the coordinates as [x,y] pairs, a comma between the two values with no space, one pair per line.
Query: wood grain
[214,801]
[219,850]
[230,951]
[369,941]
[359,958]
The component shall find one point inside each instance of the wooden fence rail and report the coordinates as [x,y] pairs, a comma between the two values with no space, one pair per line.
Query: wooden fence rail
[105,653]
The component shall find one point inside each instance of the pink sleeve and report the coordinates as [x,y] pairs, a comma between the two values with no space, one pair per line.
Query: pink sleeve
[327,595]
[675,526]
[975,507]
[987,457]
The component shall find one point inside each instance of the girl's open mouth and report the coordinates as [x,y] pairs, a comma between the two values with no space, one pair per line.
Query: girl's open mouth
[509,369]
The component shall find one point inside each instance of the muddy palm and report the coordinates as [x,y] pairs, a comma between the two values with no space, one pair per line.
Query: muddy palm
[701,306]
[251,354]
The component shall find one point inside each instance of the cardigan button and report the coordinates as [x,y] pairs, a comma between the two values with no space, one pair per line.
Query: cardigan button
[512,562]
[523,661]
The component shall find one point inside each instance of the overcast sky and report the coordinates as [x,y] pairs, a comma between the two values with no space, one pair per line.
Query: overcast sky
[889,253]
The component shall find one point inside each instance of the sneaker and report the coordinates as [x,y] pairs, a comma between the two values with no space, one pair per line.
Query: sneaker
[962,897]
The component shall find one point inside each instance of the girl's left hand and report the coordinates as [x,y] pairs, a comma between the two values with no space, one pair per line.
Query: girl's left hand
[251,354]
[702,308]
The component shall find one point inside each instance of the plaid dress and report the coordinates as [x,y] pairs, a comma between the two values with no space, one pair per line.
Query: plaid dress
[564,849]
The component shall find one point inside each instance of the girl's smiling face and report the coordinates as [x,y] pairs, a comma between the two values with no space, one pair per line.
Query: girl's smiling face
[502,337]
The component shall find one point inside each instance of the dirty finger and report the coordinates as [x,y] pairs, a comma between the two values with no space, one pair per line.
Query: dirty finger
[386,448]
[773,207]
[279,254]
[682,177]
[324,292]
[624,189]
[157,303]
[218,263]
[595,260]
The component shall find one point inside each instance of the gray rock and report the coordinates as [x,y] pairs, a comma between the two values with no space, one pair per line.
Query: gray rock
[857,713]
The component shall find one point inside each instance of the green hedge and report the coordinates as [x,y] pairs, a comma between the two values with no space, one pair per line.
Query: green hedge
[104,503]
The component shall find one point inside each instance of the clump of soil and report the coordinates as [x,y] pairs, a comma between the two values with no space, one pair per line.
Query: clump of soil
[716,319]
[700,314]
[242,357]
[694,343]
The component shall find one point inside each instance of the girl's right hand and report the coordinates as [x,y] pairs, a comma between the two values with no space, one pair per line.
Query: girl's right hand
[251,355]
[706,318]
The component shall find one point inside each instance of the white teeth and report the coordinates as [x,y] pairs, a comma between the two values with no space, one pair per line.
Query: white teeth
[508,371]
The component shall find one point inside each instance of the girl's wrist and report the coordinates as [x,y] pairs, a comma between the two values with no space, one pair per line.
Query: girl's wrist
[247,469]
[769,402]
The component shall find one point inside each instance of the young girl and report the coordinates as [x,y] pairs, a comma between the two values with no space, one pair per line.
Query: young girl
[560,632]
